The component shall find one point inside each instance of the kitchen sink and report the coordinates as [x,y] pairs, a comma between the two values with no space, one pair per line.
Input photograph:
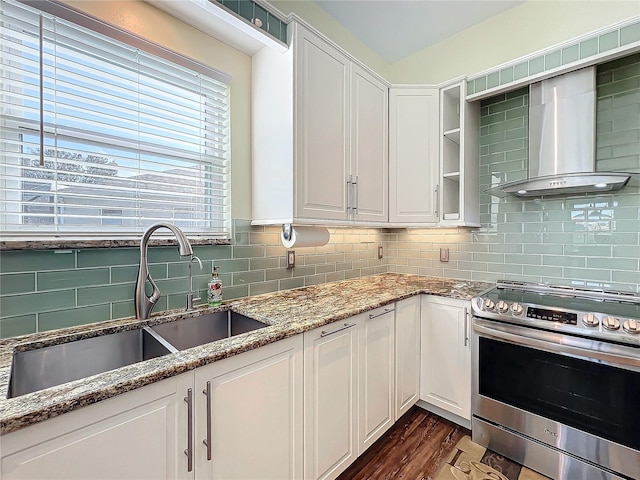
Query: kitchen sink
[41,368]
[191,332]
[46,367]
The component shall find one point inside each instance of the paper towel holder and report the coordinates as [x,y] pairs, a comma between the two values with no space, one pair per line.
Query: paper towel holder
[287,230]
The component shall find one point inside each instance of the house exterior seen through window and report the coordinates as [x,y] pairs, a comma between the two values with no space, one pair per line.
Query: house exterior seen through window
[101,135]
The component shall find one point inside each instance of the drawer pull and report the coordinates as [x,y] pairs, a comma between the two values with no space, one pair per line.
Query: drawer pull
[375,315]
[346,325]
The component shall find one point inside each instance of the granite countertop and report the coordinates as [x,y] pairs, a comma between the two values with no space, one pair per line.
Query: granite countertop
[286,313]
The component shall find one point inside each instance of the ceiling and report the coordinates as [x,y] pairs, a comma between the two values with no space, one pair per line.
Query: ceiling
[395,29]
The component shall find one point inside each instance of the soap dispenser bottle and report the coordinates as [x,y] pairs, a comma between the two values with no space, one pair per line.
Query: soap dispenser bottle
[214,291]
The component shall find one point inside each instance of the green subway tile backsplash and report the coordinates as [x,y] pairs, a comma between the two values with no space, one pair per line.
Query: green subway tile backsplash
[36,261]
[17,283]
[73,316]
[45,290]
[21,325]
[582,240]
[72,278]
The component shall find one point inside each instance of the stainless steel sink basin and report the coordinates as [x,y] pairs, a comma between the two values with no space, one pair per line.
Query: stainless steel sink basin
[46,367]
[191,332]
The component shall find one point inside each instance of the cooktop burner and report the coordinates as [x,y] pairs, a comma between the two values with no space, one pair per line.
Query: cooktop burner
[614,316]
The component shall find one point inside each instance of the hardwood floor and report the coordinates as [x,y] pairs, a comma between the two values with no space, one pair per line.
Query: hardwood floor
[413,449]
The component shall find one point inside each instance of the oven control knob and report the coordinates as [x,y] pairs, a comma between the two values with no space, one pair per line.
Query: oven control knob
[590,320]
[502,306]
[611,323]
[488,304]
[631,326]
[516,308]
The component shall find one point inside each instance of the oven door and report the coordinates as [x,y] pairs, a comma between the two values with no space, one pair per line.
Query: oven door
[574,394]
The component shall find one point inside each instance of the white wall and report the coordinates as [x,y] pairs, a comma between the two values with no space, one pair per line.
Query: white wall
[154,25]
[527,28]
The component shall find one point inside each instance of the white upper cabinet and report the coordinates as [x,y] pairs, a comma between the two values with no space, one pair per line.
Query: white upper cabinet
[319,136]
[322,120]
[413,155]
[369,160]
[459,158]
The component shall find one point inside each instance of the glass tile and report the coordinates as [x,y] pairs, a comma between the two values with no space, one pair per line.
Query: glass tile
[481,84]
[273,25]
[72,317]
[493,80]
[471,87]
[506,75]
[608,41]
[630,34]
[536,65]
[14,326]
[588,48]
[17,283]
[521,71]
[246,9]
[553,60]
[570,54]
[260,18]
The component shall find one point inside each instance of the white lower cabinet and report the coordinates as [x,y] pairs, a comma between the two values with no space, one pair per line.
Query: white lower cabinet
[303,407]
[375,375]
[446,355]
[407,351]
[349,390]
[330,399]
[137,435]
[249,409]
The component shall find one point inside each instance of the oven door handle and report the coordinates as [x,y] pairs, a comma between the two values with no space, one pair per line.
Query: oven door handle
[558,343]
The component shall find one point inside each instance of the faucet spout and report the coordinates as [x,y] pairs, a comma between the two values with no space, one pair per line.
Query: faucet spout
[143,303]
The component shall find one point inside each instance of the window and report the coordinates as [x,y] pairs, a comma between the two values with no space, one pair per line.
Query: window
[103,132]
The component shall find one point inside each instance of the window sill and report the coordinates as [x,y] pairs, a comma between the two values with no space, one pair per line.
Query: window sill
[66,244]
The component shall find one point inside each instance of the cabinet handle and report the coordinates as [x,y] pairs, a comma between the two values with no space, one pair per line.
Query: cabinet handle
[386,310]
[207,441]
[437,189]
[346,325]
[356,195]
[189,451]
[349,183]
[466,327]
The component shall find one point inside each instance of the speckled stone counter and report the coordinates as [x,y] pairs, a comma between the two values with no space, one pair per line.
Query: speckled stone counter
[285,313]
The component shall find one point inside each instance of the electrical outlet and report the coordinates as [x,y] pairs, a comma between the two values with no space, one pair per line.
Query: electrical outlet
[444,254]
[380,251]
[291,259]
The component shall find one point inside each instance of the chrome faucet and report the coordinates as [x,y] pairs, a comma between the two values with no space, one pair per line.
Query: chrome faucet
[143,303]
[190,297]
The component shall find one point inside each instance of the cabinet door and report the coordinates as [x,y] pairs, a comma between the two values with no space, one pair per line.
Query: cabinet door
[369,150]
[138,435]
[255,413]
[330,399]
[446,355]
[375,391]
[407,366]
[413,155]
[322,112]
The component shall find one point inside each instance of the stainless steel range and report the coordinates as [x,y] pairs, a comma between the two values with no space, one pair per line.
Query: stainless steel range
[556,379]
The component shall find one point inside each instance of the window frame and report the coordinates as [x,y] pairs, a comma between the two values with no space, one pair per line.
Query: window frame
[82,19]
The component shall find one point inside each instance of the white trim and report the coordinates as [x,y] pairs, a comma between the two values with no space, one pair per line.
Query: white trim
[581,63]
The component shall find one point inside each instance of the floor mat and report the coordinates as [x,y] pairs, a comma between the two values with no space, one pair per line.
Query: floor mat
[467,455]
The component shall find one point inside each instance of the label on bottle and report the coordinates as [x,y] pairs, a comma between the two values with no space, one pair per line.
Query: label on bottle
[214,293]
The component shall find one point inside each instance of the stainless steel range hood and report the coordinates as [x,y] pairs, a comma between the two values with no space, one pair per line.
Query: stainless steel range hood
[562,136]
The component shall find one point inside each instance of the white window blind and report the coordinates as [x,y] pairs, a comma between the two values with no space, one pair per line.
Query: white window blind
[100,136]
